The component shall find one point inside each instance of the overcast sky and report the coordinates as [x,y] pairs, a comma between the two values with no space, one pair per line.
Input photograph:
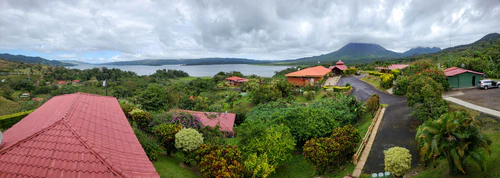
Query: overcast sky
[108,30]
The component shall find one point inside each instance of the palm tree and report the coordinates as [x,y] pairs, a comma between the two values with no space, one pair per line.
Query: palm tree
[455,136]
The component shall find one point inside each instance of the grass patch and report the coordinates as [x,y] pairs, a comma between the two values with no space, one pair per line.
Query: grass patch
[374,81]
[189,79]
[6,105]
[168,166]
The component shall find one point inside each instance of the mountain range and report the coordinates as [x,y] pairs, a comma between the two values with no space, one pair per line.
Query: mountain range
[350,53]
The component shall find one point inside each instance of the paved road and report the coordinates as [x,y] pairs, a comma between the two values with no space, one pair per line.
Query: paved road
[473,106]
[397,127]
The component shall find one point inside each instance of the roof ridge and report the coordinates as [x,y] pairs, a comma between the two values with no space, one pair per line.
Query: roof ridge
[92,149]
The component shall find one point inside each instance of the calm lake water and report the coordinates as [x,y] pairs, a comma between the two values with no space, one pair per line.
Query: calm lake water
[196,71]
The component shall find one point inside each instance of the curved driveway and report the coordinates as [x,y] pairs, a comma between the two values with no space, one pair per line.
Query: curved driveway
[397,127]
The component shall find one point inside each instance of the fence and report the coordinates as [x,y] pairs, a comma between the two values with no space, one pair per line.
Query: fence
[366,137]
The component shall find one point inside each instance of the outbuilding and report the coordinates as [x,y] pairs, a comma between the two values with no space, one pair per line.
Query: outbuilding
[338,68]
[462,78]
[308,76]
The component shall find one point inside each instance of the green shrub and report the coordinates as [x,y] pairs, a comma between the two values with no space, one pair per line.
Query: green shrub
[165,133]
[258,166]
[212,135]
[348,138]
[347,84]
[309,95]
[149,144]
[219,161]
[329,92]
[396,72]
[372,73]
[401,85]
[378,74]
[397,160]
[7,121]
[386,80]
[188,139]
[141,117]
[372,104]
[322,153]
[126,107]
[339,88]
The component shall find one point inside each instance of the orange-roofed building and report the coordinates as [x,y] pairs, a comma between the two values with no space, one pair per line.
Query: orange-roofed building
[235,81]
[308,76]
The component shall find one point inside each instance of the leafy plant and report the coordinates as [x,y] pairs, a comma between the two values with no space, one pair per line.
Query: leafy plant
[322,153]
[185,119]
[149,144]
[386,80]
[372,104]
[165,133]
[212,135]
[188,139]
[397,161]
[258,166]
[219,161]
[455,136]
[348,139]
[126,107]
[425,96]
[141,117]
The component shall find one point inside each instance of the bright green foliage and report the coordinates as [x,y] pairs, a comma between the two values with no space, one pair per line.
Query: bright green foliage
[322,153]
[265,93]
[154,98]
[126,107]
[310,95]
[372,104]
[401,85]
[386,80]
[348,138]
[396,72]
[188,139]
[219,161]
[212,135]
[329,92]
[7,121]
[149,144]
[425,95]
[455,136]
[259,137]
[397,160]
[438,76]
[141,117]
[258,166]
[417,67]
[165,133]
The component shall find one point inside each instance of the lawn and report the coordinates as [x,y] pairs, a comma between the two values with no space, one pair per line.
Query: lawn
[491,128]
[374,81]
[6,106]
[319,95]
[169,166]
[188,79]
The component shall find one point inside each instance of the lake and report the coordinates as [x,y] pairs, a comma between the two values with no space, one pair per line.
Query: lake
[195,70]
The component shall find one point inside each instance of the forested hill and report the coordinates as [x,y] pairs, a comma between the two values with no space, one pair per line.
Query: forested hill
[202,61]
[35,60]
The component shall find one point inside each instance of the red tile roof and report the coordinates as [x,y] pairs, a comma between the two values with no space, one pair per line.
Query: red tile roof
[317,71]
[340,65]
[237,79]
[224,120]
[452,71]
[74,135]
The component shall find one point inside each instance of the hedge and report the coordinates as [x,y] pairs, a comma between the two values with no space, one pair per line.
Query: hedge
[339,88]
[7,121]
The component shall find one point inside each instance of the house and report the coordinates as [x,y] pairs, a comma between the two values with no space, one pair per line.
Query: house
[25,95]
[76,81]
[235,81]
[74,135]
[308,76]
[62,82]
[37,99]
[461,78]
[391,67]
[225,120]
[339,68]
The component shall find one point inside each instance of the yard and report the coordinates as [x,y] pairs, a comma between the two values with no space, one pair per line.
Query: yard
[374,81]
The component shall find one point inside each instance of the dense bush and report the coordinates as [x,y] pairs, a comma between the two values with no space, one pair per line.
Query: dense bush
[309,95]
[401,85]
[348,139]
[219,161]
[372,104]
[258,166]
[397,161]
[261,137]
[322,153]
[185,119]
[438,76]
[165,133]
[154,98]
[425,96]
[386,80]
[339,88]
[265,93]
[7,121]
[212,135]
[126,107]
[329,92]
[141,117]
[149,144]
[188,139]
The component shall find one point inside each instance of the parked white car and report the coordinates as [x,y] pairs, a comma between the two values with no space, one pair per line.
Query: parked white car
[485,84]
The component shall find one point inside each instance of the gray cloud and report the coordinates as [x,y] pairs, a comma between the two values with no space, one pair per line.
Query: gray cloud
[262,29]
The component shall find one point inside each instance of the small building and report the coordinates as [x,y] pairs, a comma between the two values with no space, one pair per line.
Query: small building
[25,95]
[60,83]
[462,78]
[74,135]
[308,76]
[76,81]
[391,67]
[339,68]
[235,81]
[225,120]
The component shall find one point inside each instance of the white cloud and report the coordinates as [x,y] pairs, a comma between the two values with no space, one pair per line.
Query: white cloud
[275,29]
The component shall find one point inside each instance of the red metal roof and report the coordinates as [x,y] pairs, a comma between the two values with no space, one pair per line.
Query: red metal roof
[74,135]
[317,71]
[224,120]
[452,71]
[237,79]
[340,65]
[393,66]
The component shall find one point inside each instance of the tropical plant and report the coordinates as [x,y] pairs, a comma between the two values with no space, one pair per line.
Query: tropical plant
[386,80]
[372,104]
[141,117]
[258,166]
[188,139]
[219,161]
[397,160]
[149,144]
[455,136]
[126,107]
[185,119]
[322,153]
[348,139]
[165,133]
[425,96]
[212,135]
[154,98]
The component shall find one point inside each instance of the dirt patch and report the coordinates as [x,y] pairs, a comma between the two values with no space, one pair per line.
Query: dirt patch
[486,98]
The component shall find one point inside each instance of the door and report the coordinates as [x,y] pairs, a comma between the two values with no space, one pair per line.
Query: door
[473,80]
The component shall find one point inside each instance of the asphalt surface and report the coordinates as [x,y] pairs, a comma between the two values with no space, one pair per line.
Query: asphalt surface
[398,128]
